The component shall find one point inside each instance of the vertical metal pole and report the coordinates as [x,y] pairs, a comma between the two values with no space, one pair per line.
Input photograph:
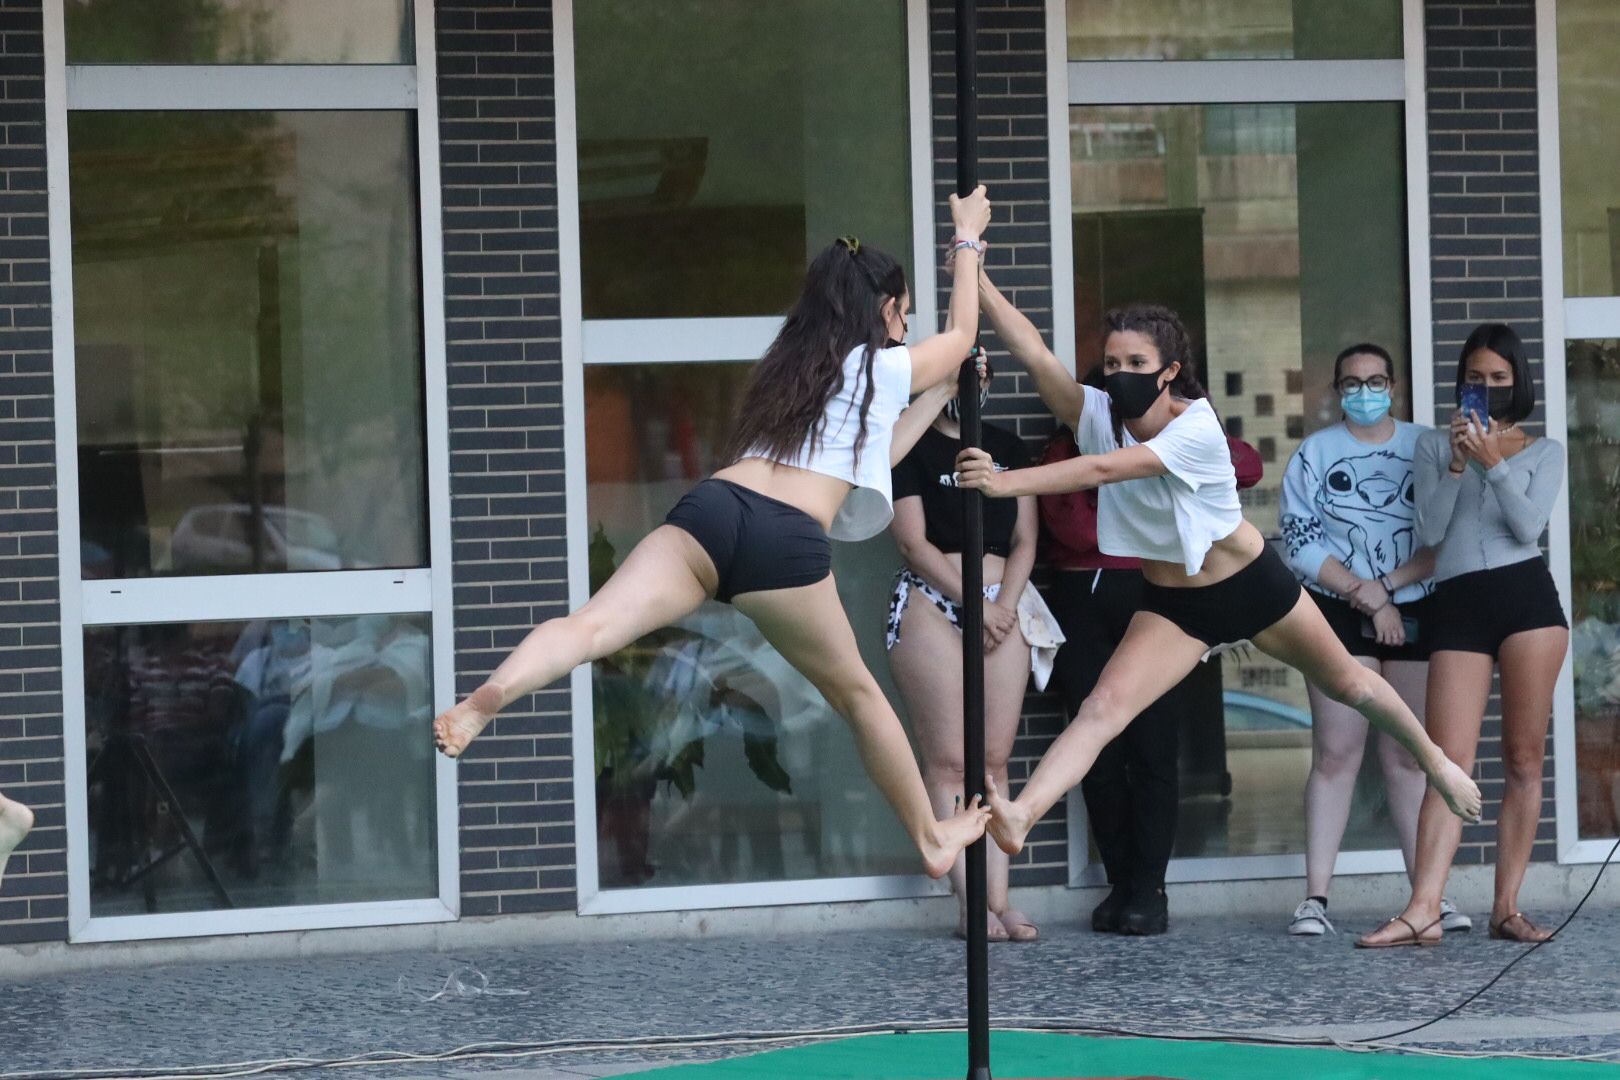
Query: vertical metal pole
[978,961]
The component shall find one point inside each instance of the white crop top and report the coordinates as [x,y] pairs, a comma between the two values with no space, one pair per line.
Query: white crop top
[1172,518]
[869,507]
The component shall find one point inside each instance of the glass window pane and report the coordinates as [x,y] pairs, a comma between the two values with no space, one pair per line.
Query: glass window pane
[1589,133]
[750,136]
[1594,518]
[259,764]
[239,32]
[717,762]
[248,321]
[1234,29]
[1279,234]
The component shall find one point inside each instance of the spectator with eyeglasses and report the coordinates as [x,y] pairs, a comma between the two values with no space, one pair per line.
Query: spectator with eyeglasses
[1349,523]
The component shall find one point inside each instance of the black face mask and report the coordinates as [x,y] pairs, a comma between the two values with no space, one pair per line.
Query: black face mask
[1132,393]
[953,407]
[1499,401]
[905,329]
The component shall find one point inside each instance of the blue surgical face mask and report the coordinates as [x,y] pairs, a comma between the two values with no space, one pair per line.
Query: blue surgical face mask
[1366,406]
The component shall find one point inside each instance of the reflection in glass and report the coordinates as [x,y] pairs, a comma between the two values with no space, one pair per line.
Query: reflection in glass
[750,136]
[1589,131]
[717,762]
[1278,232]
[1234,29]
[259,764]
[1594,528]
[239,32]
[247,312]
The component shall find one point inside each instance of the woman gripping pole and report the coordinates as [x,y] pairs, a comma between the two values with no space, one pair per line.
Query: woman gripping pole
[1153,446]
[820,425]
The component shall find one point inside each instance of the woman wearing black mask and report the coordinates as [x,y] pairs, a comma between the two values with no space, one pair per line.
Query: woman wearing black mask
[1155,450]
[1485,490]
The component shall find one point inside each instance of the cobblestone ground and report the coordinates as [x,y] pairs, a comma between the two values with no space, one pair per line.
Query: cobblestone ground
[1221,974]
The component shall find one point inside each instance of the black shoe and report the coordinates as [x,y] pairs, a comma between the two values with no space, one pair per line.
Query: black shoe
[1145,914]
[1105,916]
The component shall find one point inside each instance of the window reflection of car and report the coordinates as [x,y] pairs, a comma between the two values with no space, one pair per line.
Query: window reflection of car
[1257,722]
[216,537]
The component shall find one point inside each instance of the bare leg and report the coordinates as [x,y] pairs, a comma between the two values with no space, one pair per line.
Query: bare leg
[808,627]
[927,666]
[1006,677]
[1459,684]
[1529,663]
[15,822]
[1338,737]
[665,577]
[1404,782]
[1303,640]
[1153,657]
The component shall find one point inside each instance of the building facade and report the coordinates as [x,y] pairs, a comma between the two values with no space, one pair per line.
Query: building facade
[341,344]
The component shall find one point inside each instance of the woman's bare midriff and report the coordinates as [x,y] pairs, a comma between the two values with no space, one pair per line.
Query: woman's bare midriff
[817,495]
[994,566]
[1225,558]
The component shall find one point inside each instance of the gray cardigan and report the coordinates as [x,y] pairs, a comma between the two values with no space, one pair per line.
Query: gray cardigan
[1484,519]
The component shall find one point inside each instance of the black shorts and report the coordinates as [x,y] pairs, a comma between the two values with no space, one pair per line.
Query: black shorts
[1236,609]
[1477,612]
[756,542]
[1354,630]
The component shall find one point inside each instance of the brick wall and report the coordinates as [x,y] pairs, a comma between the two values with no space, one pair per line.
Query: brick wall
[1485,250]
[498,147]
[33,899]
[1012,148]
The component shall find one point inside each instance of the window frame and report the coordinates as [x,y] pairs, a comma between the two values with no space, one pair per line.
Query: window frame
[403,87]
[1209,82]
[1564,319]
[687,340]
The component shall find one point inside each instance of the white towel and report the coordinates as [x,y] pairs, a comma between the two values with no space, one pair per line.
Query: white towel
[1041,630]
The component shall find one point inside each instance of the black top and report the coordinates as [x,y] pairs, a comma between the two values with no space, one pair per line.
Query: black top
[933,457]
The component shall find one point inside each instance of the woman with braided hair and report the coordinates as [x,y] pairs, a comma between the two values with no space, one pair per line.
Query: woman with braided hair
[822,421]
[1151,444]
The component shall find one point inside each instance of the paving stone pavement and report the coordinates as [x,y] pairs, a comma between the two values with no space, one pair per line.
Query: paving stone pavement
[1233,975]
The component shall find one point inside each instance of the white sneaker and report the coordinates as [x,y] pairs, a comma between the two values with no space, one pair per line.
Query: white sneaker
[1310,920]
[1452,920]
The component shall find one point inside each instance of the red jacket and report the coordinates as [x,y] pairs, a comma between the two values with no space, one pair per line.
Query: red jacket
[1069,521]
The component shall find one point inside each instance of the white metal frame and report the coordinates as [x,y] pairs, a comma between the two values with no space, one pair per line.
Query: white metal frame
[428,590]
[1201,82]
[622,341]
[1563,320]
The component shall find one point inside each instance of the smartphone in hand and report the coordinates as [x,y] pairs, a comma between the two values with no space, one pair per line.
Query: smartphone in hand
[1475,400]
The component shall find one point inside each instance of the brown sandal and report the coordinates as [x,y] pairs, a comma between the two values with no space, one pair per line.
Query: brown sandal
[1500,932]
[1417,937]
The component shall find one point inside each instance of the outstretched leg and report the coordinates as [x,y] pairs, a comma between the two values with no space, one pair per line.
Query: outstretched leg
[1155,655]
[1303,640]
[807,625]
[15,821]
[665,577]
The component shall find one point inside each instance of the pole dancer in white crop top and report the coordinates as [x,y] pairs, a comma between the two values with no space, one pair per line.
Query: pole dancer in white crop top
[822,422]
[1155,449]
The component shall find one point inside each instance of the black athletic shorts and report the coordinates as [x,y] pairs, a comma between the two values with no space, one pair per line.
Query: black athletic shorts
[755,541]
[1354,630]
[1233,610]
[1477,612]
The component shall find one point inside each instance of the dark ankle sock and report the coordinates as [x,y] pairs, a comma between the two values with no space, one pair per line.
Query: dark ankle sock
[1320,900]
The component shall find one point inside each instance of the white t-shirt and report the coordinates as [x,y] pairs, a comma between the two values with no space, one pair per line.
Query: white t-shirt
[1172,518]
[869,508]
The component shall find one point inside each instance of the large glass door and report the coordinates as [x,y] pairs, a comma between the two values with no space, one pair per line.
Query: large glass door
[251,441]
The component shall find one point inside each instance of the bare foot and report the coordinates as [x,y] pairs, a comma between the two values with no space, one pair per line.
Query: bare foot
[15,821]
[458,726]
[993,930]
[1009,823]
[1018,925]
[950,836]
[1459,790]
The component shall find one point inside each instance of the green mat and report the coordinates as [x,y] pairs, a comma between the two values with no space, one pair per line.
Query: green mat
[1029,1055]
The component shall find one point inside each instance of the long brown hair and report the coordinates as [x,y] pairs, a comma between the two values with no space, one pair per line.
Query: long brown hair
[839,310]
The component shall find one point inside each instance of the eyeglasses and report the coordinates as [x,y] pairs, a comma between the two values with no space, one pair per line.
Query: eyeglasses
[1377,384]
